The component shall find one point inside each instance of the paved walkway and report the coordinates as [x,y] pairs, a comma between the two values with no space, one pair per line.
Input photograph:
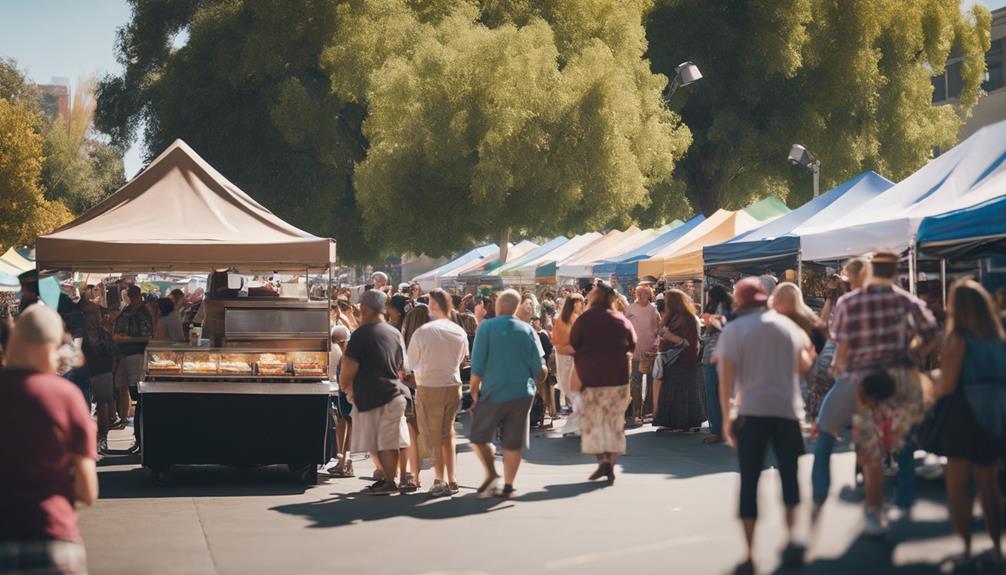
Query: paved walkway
[671,511]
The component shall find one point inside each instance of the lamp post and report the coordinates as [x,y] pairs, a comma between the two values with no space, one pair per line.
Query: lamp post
[800,156]
[686,73]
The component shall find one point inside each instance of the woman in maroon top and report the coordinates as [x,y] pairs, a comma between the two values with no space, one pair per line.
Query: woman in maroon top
[603,341]
[678,395]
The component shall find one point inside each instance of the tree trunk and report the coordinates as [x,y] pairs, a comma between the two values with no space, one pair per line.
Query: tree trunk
[504,244]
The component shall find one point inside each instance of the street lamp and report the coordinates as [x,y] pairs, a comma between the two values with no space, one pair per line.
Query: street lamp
[686,73]
[799,156]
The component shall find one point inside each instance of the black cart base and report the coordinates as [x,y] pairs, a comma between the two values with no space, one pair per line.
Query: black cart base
[233,423]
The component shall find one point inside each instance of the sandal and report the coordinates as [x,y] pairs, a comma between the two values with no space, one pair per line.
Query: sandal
[712,438]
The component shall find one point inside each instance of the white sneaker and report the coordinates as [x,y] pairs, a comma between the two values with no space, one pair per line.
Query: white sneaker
[874,524]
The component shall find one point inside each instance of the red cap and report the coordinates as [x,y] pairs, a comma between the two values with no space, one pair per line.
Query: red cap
[749,292]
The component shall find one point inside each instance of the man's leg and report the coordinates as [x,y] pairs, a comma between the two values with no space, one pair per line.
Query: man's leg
[820,475]
[873,473]
[511,463]
[389,460]
[636,387]
[752,442]
[487,455]
[787,442]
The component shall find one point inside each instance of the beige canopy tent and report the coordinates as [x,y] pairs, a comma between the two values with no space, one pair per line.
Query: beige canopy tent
[180,214]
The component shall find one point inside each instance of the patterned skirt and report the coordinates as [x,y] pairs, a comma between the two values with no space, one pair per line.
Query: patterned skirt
[44,557]
[819,381]
[682,398]
[882,431]
[602,419]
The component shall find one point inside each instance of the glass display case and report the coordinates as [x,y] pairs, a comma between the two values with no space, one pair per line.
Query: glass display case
[308,363]
[265,365]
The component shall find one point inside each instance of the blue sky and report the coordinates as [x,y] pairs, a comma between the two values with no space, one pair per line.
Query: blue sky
[75,38]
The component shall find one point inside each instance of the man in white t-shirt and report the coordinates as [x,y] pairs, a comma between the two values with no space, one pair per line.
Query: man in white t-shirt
[763,353]
[435,352]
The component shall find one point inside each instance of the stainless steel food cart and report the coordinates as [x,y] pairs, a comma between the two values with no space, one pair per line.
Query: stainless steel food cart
[259,398]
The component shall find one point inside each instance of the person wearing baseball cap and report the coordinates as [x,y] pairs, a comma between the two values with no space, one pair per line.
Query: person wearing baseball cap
[763,354]
[373,367]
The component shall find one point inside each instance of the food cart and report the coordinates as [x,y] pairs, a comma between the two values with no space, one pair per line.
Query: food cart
[256,391]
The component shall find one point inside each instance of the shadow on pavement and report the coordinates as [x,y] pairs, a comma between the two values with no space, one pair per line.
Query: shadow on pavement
[876,555]
[200,481]
[353,508]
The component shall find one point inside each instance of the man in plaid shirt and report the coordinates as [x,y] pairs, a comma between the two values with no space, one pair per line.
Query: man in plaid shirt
[882,328]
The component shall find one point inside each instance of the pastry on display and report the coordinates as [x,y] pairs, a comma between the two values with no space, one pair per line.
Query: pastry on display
[200,364]
[235,363]
[271,364]
[308,368]
[162,365]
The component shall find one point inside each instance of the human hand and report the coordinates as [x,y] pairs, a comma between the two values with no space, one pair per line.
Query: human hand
[728,434]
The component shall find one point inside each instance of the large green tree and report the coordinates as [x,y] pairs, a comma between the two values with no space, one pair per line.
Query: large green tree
[246,91]
[81,168]
[511,115]
[849,79]
[503,118]
[24,212]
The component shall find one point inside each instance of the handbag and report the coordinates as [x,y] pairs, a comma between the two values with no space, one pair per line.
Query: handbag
[931,433]
[666,359]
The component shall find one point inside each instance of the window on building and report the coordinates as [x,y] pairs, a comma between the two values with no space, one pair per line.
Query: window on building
[939,88]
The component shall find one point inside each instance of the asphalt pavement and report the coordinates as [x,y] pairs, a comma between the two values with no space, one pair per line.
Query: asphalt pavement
[671,510]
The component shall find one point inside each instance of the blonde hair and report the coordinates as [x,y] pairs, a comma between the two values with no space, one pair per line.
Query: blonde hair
[802,314]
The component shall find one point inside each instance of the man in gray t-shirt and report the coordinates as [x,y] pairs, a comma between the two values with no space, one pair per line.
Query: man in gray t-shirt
[763,353]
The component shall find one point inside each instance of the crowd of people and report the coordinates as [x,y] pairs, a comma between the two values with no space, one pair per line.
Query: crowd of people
[756,366]
[753,365]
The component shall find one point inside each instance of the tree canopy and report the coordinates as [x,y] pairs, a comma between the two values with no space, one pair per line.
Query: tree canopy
[549,122]
[369,120]
[849,79]
[24,213]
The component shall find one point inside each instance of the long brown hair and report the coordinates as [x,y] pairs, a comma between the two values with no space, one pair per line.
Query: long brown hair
[567,307]
[677,302]
[973,312]
[415,319]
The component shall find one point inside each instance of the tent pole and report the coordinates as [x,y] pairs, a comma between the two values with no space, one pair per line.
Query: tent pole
[911,270]
[799,270]
[943,281]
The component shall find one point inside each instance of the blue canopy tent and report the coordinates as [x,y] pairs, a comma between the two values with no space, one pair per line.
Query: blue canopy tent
[974,232]
[626,267]
[776,245]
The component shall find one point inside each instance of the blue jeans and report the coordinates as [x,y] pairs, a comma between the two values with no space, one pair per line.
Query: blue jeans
[820,475]
[712,382]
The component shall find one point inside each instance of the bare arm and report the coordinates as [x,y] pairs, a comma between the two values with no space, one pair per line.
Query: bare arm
[473,388]
[346,376]
[950,371]
[726,370]
[85,480]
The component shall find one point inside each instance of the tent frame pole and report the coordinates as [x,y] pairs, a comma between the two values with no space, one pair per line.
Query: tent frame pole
[799,269]
[943,281]
[911,270]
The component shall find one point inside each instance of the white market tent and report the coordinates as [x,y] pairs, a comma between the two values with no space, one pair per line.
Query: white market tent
[508,271]
[524,272]
[581,265]
[431,279]
[891,220]
[180,214]
[477,268]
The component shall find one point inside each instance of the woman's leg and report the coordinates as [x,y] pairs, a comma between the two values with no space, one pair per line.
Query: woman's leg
[711,381]
[957,475]
[987,481]
[414,462]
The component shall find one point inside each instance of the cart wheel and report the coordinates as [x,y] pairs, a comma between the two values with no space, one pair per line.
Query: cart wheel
[308,474]
[159,477]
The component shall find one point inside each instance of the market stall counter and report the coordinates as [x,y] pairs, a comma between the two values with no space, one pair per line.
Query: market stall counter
[253,387]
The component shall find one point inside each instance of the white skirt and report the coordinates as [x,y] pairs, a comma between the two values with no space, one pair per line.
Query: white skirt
[563,372]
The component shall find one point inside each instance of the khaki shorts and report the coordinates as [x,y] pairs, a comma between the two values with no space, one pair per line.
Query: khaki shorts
[129,371]
[437,407]
[382,428]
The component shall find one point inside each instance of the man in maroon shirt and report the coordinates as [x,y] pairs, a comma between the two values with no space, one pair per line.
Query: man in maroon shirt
[52,467]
